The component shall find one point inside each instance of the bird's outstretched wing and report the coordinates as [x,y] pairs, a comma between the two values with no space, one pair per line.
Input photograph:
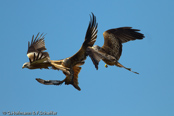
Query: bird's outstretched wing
[36,48]
[125,34]
[91,33]
[90,39]
[113,39]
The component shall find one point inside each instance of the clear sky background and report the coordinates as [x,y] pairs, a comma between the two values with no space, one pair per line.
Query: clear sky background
[109,91]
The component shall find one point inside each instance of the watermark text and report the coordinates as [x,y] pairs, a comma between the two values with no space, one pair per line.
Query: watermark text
[29,113]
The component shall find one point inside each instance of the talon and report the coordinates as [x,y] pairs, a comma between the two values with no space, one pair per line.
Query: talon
[106,65]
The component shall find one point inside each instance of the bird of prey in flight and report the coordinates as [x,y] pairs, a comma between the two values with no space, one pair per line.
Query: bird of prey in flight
[111,50]
[70,66]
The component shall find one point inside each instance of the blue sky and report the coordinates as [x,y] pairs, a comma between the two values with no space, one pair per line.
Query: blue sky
[109,91]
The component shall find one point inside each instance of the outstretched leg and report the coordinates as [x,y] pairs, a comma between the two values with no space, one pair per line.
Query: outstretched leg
[120,65]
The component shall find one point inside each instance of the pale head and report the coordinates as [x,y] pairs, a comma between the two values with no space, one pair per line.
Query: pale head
[26,65]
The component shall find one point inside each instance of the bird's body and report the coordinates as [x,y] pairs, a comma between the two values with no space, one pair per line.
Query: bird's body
[111,50]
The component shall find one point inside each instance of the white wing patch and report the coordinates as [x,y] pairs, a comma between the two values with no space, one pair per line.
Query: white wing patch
[31,55]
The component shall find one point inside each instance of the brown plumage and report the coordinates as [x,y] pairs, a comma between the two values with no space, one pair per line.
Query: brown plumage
[57,82]
[111,50]
[38,58]
[69,66]
[78,58]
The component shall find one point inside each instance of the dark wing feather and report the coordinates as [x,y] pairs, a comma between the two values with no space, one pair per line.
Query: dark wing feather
[37,44]
[125,34]
[90,39]
[112,46]
[91,33]
[114,38]
[36,48]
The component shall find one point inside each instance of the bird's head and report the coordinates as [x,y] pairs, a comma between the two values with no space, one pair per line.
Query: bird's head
[96,47]
[26,65]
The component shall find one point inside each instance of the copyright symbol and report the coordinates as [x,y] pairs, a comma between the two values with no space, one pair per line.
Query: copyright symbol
[4,113]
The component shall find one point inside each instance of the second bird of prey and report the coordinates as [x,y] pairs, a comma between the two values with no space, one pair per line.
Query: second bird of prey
[110,53]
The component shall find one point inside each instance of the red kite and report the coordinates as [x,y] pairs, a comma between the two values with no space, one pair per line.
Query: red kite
[111,50]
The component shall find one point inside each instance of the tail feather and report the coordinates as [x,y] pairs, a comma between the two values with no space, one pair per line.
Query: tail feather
[75,79]
[73,82]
